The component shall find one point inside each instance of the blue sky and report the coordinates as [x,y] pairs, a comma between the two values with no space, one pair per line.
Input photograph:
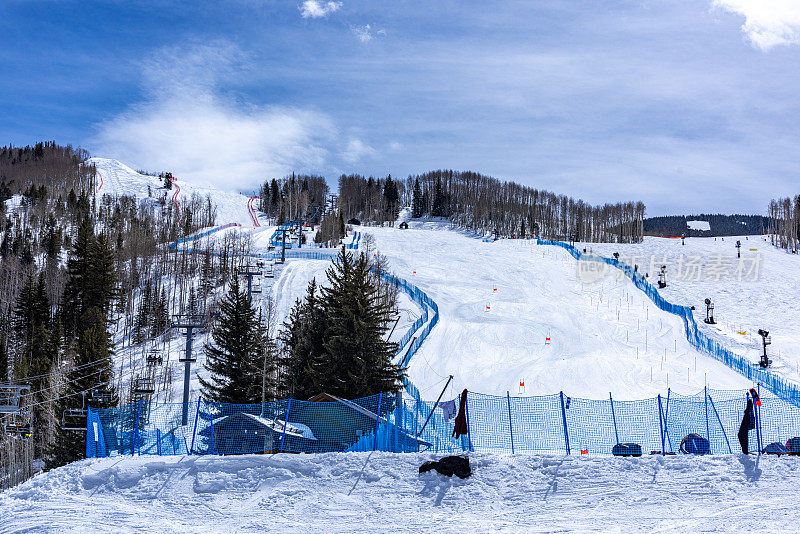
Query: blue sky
[687,105]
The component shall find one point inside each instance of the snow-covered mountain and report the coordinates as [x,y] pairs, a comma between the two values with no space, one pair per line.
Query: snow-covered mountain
[116,178]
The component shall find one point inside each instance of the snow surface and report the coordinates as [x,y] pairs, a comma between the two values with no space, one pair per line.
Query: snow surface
[383,492]
[605,335]
[118,179]
[14,203]
[707,267]
[703,226]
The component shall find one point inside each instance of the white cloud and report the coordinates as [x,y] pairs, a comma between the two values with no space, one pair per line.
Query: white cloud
[768,23]
[364,33]
[189,127]
[394,145]
[357,150]
[315,9]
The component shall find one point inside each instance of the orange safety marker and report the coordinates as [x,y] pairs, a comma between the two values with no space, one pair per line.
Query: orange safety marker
[584,451]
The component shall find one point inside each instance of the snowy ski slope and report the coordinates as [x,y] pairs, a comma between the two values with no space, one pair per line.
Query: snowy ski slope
[758,291]
[499,302]
[116,178]
[382,492]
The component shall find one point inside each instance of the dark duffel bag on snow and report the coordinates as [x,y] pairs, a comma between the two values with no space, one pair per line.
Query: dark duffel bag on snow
[775,448]
[627,449]
[793,445]
[695,444]
[449,466]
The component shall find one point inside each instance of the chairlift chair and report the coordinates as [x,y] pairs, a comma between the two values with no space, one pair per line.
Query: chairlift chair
[101,396]
[17,428]
[154,358]
[144,386]
[74,419]
[11,398]
[269,271]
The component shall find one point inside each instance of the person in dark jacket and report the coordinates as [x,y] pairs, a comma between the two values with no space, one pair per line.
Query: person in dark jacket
[748,423]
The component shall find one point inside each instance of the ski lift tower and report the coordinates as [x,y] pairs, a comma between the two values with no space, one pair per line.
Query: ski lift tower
[250,271]
[662,277]
[709,312]
[765,361]
[188,323]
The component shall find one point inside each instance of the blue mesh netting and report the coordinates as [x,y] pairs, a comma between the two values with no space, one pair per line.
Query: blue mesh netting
[548,424]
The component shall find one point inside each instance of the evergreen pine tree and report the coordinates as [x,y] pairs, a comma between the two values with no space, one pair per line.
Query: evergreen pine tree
[358,359]
[417,205]
[168,180]
[233,359]
[391,197]
[302,339]
[78,272]
[31,315]
[92,365]
[3,357]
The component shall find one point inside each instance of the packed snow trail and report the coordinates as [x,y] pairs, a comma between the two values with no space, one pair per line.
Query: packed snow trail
[99,187]
[756,291]
[252,211]
[500,302]
[177,192]
[369,492]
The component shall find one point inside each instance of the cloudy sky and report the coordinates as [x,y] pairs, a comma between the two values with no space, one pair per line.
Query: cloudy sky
[688,105]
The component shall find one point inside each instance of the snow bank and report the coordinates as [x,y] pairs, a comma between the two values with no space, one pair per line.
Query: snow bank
[703,226]
[382,492]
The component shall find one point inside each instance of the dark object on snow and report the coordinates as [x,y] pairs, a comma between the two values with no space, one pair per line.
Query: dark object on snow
[775,448]
[695,444]
[460,428]
[748,424]
[793,445]
[627,449]
[449,466]
[354,222]
[404,225]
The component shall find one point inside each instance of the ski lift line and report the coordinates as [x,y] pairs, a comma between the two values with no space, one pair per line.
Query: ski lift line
[65,396]
[76,368]
[61,385]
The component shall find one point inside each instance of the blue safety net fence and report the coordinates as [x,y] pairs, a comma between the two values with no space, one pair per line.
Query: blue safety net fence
[557,424]
[774,383]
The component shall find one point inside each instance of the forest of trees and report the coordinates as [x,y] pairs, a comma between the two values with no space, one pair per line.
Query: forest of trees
[79,273]
[784,222]
[368,199]
[721,225]
[489,206]
[293,197]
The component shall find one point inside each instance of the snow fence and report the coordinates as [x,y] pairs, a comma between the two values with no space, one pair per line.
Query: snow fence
[556,424]
[777,385]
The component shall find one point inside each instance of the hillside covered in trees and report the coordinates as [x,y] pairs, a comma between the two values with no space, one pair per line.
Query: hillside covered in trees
[487,205]
[720,225]
[784,222]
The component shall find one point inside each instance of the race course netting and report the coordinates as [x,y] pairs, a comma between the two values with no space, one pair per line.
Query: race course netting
[556,424]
